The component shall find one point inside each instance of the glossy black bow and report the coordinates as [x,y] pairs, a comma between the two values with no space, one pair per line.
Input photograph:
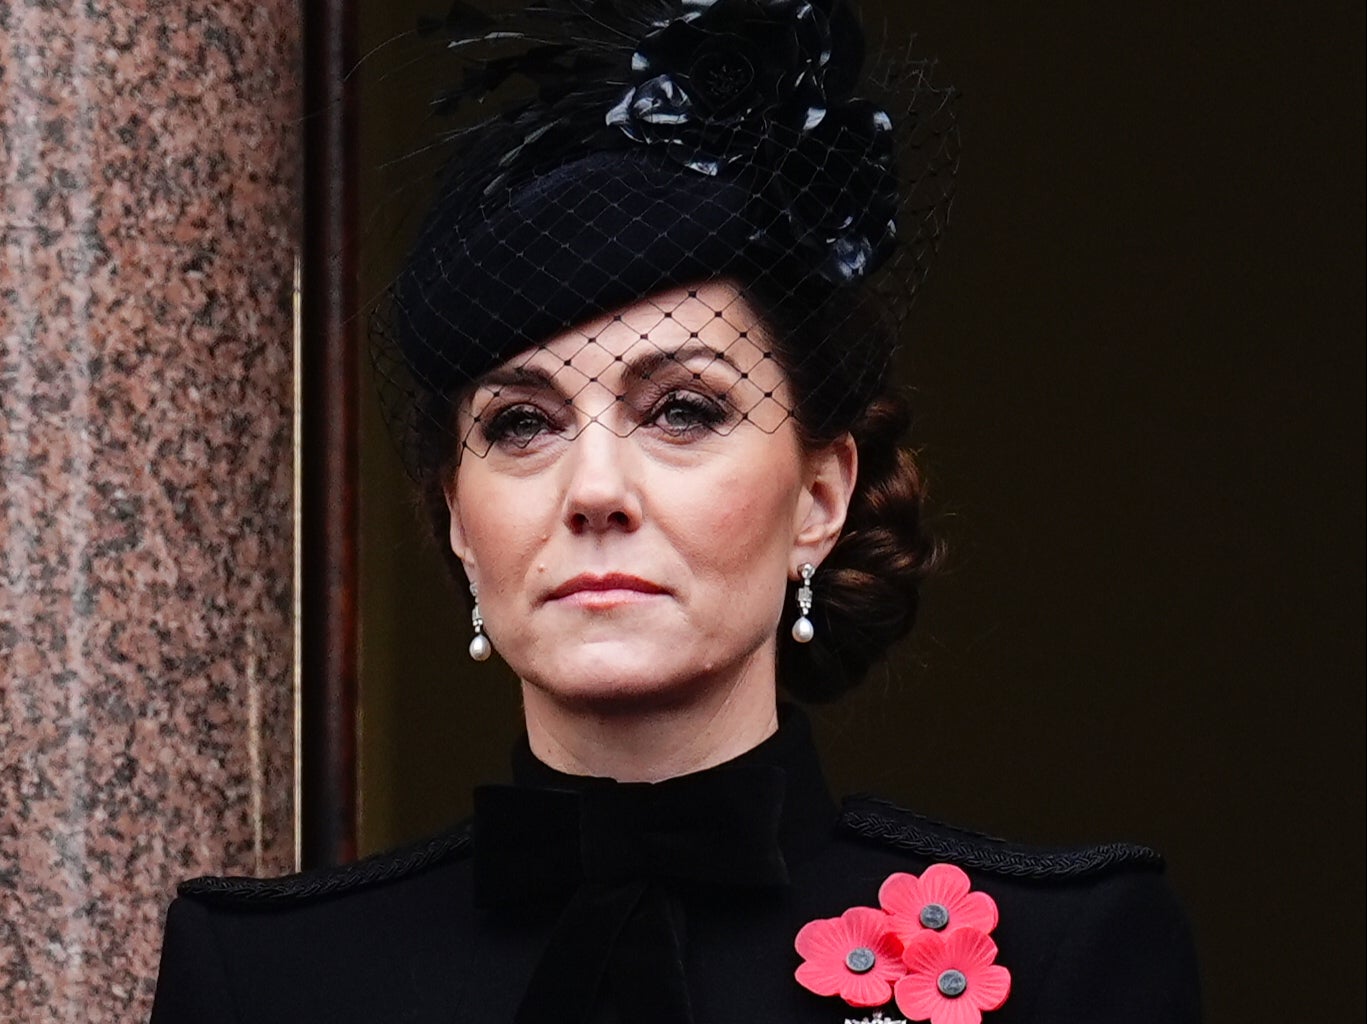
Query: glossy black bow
[619,853]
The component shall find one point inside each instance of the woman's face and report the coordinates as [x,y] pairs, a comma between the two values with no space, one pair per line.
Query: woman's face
[633,498]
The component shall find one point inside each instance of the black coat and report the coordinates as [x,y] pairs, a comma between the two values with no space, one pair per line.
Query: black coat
[499,914]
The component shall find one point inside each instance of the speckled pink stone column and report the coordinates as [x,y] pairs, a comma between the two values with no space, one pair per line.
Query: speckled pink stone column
[149,183]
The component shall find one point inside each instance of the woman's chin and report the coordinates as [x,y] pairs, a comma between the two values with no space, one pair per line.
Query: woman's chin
[630,673]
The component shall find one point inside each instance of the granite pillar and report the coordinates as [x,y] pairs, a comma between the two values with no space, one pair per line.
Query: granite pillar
[149,231]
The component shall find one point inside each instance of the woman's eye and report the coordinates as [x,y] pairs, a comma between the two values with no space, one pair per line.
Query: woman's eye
[682,413]
[517,425]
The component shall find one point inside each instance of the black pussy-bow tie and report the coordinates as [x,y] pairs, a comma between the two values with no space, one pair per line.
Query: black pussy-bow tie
[617,852]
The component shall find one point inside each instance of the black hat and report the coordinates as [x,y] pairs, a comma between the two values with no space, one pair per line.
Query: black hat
[639,145]
[591,235]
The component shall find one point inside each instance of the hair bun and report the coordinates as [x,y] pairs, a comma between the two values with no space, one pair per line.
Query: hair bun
[868,588]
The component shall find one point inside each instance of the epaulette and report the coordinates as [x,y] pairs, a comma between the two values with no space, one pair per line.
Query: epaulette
[889,825]
[307,886]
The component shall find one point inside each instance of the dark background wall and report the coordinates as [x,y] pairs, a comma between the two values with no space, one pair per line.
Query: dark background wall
[1139,371]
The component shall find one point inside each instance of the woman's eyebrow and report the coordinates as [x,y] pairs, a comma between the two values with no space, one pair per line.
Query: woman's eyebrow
[649,363]
[516,377]
[640,368]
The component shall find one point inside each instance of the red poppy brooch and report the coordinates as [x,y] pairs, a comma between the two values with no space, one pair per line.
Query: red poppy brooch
[926,946]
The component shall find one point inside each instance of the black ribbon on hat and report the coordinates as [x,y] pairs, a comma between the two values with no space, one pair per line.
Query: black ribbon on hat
[619,853]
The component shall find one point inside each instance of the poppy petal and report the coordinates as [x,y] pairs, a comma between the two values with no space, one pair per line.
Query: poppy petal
[900,893]
[969,948]
[975,910]
[818,978]
[945,884]
[917,996]
[956,1011]
[819,938]
[990,986]
[924,953]
[866,990]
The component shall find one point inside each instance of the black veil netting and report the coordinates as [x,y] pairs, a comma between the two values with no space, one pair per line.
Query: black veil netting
[588,197]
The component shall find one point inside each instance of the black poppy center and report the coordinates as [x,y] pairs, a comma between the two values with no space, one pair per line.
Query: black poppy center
[952,984]
[934,916]
[861,960]
[722,78]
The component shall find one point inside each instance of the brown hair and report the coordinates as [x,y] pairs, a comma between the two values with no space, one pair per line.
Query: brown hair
[866,592]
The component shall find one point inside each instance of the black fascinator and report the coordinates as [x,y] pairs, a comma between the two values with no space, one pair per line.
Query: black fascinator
[599,152]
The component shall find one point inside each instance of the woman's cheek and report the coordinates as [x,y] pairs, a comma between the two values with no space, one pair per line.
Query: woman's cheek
[745,544]
[753,510]
[502,542]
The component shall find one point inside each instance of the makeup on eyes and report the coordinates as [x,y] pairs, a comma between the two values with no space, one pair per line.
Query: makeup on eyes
[683,392]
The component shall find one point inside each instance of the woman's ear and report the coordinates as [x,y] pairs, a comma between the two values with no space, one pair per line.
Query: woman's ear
[456,534]
[831,475]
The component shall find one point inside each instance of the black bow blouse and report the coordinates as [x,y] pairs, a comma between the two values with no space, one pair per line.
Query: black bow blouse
[586,901]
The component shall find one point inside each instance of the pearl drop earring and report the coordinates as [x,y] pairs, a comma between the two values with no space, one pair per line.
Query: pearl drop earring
[803,630]
[480,648]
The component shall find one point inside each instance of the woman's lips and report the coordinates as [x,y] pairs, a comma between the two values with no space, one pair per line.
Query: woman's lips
[591,590]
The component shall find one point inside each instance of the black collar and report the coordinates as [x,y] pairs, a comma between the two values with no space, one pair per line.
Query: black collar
[808,812]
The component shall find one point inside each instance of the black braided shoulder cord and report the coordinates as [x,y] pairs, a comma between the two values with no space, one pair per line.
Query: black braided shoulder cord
[311,885]
[890,825]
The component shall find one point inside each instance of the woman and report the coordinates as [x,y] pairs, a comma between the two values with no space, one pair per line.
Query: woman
[640,352]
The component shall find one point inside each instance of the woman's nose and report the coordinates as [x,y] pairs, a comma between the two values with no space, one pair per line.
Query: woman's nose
[601,491]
